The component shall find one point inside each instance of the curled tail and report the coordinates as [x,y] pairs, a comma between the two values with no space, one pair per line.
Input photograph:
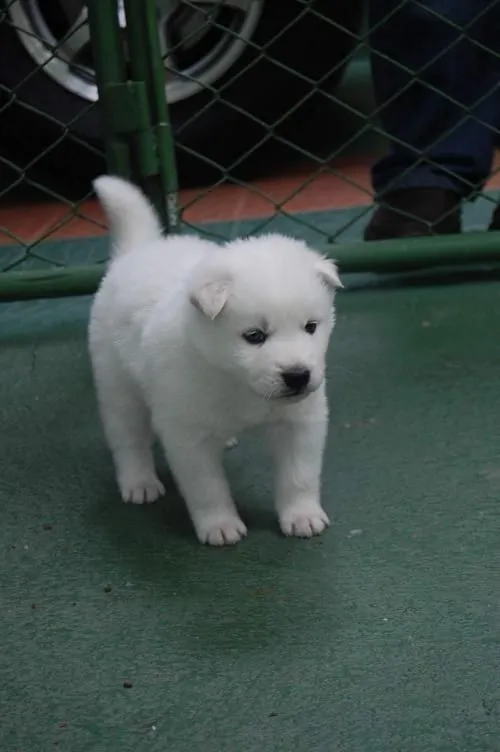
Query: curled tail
[132,220]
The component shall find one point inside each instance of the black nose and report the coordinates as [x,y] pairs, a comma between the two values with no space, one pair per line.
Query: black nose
[296,379]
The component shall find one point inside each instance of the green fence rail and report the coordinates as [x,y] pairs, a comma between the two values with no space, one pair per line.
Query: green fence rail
[259,102]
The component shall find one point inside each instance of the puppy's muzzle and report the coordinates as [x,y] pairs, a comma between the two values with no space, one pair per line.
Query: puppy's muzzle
[296,380]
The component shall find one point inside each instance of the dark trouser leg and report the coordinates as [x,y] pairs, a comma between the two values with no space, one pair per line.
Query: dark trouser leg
[436,92]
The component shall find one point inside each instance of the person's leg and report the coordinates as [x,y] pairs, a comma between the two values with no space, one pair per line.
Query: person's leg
[492,42]
[434,86]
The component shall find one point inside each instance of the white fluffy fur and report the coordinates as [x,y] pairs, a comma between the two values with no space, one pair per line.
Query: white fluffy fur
[169,359]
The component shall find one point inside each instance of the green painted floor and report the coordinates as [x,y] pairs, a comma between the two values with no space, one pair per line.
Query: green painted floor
[381,635]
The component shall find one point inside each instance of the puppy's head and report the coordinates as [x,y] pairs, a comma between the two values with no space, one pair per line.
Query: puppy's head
[264,311]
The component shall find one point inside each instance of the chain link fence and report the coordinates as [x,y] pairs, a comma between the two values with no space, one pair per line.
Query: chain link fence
[269,114]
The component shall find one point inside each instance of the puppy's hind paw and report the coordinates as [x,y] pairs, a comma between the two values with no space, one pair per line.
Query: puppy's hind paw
[304,524]
[142,490]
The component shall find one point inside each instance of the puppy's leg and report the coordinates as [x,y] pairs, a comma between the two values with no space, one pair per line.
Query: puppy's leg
[127,427]
[298,449]
[197,468]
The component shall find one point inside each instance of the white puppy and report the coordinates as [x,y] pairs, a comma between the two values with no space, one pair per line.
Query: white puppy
[195,342]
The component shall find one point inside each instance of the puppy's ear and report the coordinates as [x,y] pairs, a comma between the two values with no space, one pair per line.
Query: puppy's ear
[209,295]
[327,269]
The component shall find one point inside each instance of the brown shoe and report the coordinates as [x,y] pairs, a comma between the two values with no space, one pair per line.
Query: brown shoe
[495,220]
[414,212]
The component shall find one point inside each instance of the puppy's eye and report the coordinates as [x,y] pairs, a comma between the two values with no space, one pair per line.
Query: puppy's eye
[311,327]
[255,337]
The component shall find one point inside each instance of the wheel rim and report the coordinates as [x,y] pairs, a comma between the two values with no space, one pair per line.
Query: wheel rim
[201,40]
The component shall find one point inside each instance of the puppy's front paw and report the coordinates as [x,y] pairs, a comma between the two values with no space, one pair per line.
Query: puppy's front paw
[304,522]
[141,490]
[223,531]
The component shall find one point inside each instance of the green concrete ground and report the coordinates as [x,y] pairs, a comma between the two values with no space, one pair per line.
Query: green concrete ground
[381,635]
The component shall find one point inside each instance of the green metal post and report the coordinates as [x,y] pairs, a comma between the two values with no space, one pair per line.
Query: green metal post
[111,69]
[156,168]
[131,82]
[164,134]
[382,257]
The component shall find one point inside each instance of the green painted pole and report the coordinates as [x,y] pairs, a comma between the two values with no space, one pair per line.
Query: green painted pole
[53,283]
[469,249]
[156,167]
[164,134]
[111,69]
[406,254]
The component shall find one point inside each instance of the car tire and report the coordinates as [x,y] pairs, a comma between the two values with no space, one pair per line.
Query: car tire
[46,128]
